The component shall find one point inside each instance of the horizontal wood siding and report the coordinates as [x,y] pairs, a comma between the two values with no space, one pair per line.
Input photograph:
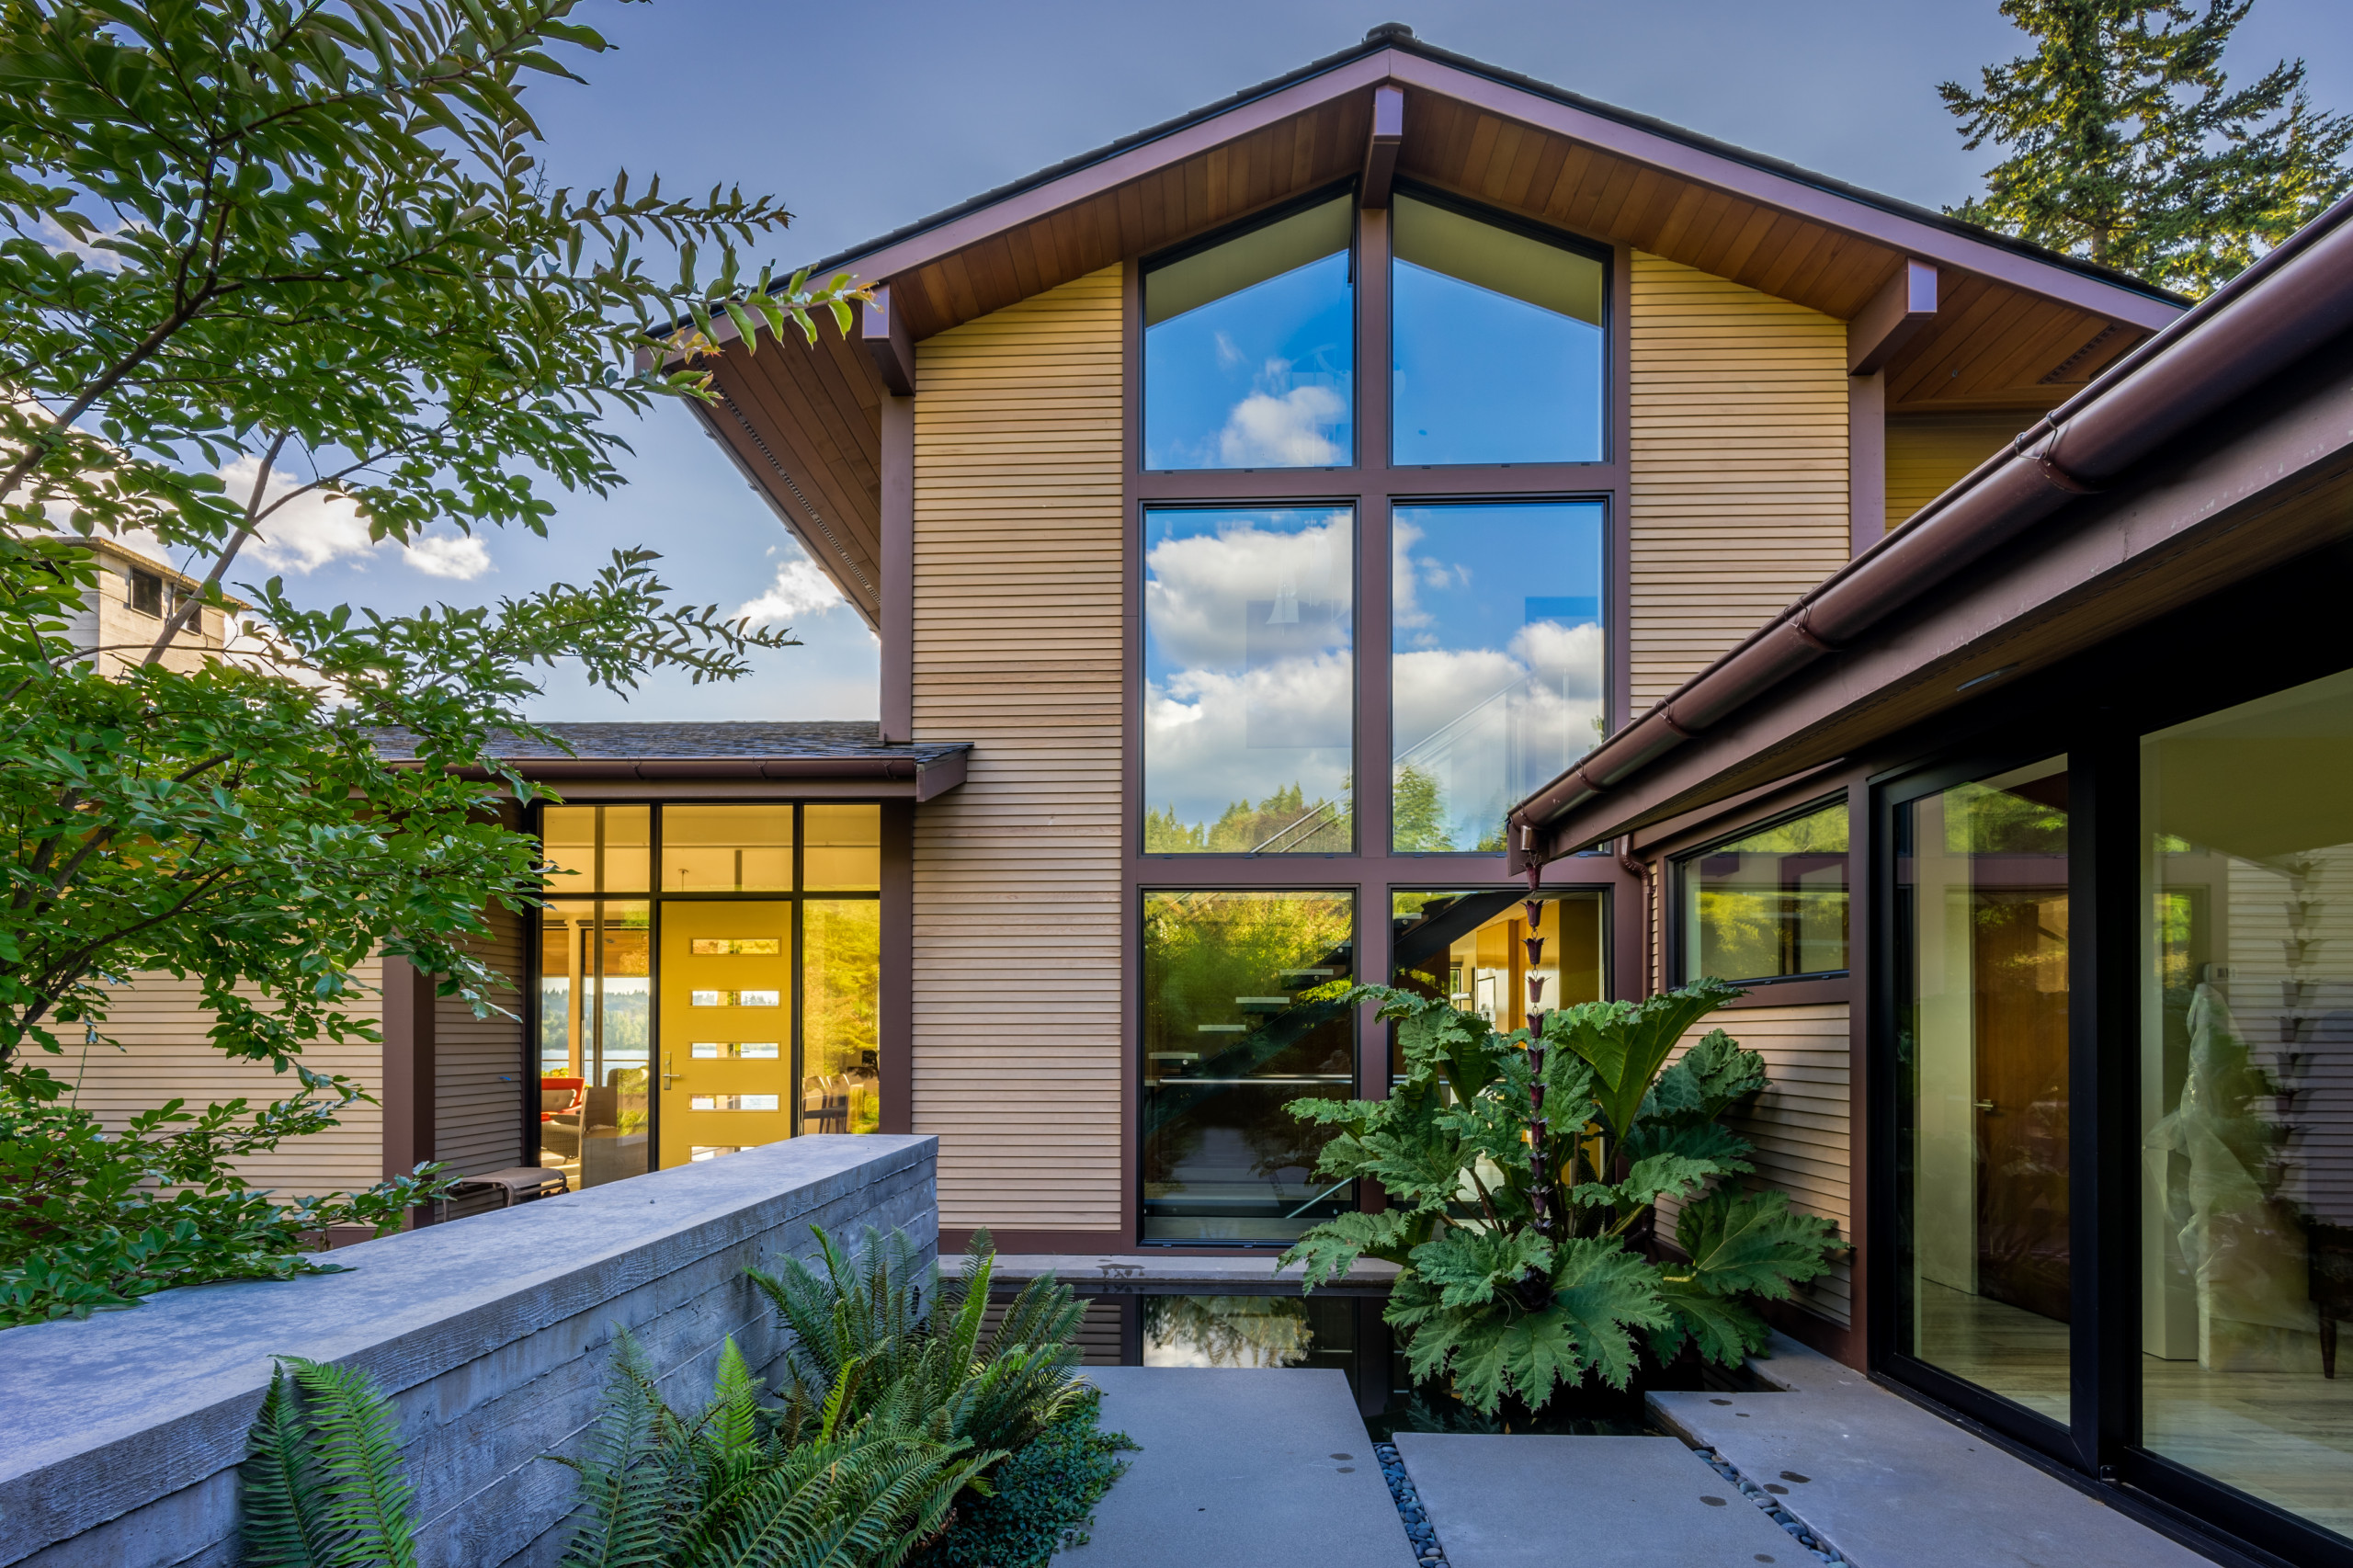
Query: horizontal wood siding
[1928,453]
[1018,639]
[1799,1125]
[167,1054]
[1738,449]
[478,1065]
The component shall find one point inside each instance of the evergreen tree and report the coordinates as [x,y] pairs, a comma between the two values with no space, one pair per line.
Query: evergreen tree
[2127,147]
[1418,823]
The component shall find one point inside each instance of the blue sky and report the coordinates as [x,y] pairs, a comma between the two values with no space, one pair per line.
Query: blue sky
[863,121]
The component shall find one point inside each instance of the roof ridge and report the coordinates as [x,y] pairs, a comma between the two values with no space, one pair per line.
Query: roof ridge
[1397,36]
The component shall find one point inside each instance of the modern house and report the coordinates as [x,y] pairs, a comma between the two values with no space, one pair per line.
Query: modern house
[2030,831]
[1270,500]
[120,621]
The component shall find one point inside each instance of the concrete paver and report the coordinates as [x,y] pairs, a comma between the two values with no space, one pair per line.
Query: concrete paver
[1539,1502]
[1241,1468]
[1890,1485]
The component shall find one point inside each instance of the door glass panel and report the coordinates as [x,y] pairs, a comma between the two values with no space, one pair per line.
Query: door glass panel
[1249,348]
[1241,1017]
[1982,983]
[1499,344]
[841,1000]
[594,1040]
[727,848]
[844,853]
[1768,904]
[2247,1098]
[1467,947]
[726,978]
[1249,695]
[1496,637]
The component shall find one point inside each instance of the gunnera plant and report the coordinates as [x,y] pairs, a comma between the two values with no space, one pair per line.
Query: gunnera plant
[1523,1168]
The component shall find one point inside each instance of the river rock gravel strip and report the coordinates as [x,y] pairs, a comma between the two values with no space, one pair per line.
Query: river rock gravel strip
[1409,1507]
[1765,1501]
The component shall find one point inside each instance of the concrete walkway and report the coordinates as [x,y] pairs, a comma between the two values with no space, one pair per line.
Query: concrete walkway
[1889,1485]
[1241,1469]
[1536,1502]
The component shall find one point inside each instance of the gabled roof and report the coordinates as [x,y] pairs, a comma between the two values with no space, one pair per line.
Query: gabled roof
[2017,328]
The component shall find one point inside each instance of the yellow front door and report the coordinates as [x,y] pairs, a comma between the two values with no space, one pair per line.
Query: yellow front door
[726,1036]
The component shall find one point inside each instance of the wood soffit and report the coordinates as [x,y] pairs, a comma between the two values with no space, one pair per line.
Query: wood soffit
[2013,330]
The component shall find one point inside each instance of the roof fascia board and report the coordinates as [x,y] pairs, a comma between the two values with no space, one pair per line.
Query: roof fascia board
[2226,492]
[1044,200]
[1785,192]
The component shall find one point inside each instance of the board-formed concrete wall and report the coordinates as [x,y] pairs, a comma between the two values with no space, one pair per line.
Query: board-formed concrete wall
[120,1436]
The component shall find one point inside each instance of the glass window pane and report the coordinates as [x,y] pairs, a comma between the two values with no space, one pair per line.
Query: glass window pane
[1982,992]
[594,1040]
[1249,694]
[1249,348]
[597,848]
[1467,947]
[2247,1098]
[841,998]
[726,977]
[727,848]
[1241,1017]
[844,852]
[1769,905]
[1496,663]
[1498,343]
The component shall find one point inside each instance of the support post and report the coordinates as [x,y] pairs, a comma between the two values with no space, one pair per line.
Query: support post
[898,570]
[1380,150]
[886,340]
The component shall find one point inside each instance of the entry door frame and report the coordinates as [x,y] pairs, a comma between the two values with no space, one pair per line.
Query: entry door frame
[2095,1111]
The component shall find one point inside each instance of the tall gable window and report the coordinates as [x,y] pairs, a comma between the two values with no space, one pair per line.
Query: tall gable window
[1498,343]
[1249,348]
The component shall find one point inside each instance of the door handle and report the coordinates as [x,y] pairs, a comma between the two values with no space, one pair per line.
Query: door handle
[1987,1106]
[668,1077]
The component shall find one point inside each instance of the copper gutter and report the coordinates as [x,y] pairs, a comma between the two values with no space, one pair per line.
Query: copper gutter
[2295,298]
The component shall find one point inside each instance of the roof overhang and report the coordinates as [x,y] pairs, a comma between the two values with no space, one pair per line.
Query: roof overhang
[2222,449]
[2014,327]
[918,779]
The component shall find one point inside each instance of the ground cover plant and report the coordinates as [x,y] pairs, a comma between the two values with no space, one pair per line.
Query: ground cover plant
[258,257]
[1524,1170]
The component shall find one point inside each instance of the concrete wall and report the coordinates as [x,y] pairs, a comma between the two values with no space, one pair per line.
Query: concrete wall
[492,1335]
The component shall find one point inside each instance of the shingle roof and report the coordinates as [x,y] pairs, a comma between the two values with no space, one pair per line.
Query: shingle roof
[838,739]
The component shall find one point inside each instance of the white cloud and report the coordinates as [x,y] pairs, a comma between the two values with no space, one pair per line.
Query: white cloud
[1197,588]
[460,556]
[306,533]
[799,590]
[1287,431]
[1198,722]
[1229,354]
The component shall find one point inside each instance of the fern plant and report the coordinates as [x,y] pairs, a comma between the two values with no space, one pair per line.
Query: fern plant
[740,1485]
[1523,1168]
[322,1482]
[918,1341]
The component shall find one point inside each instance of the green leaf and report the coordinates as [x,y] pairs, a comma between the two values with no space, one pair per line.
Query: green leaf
[1725,1331]
[1603,1293]
[1626,1044]
[1741,1241]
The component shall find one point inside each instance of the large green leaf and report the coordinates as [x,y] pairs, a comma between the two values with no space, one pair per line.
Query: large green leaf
[1469,1268]
[1753,1241]
[1724,1330]
[1651,1178]
[1331,1248]
[1626,1044]
[1603,1293]
[1708,1141]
